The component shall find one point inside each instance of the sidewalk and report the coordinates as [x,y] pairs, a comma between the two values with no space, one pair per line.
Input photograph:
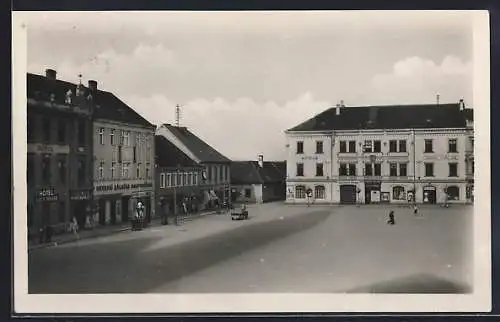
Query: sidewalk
[109,230]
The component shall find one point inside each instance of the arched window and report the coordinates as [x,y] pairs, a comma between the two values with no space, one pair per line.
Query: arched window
[453,193]
[319,192]
[300,192]
[398,193]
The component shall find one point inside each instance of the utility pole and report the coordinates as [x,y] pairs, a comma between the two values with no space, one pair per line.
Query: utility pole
[177,115]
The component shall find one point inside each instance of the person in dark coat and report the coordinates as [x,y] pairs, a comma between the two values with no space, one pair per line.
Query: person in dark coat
[391,220]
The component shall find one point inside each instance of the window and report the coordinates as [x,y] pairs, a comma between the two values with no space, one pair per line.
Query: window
[120,154]
[112,137]
[101,136]
[352,169]
[185,178]
[221,173]
[125,168]
[393,146]
[429,169]
[81,132]
[403,171]
[377,147]
[300,169]
[61,131]
[453,193]
[398,193]
[30,127]
[248,193]
[169,180]
[216,172]
[368,146]
[319,192]
[46,129]
[300,192]
[61,165]
[393,169]
[138,138]
[319,169]
[126,138]
[402,145]
[190,179]
[428,146]
[148,171]
[352,146]
[46,169]
[138,170]
[343,147]
[81,171]
[121,137]
[319,147]
[195,179]
[134,153]
[378,169]
[300,147]
[472,164]
[113,165]
[368,169]
[162,180]
[453,169]
[228,177]
[452,146]
[30,168]
[179,179]
[343,169]
[101,169]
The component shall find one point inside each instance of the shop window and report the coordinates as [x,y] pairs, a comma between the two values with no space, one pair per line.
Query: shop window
[453,193]
[319,192]
[300,192]
[398,193]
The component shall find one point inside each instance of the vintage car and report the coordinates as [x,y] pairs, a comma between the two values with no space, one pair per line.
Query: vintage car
[243,214]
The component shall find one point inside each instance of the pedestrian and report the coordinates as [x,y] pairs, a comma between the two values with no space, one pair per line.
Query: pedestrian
[391,220]
[415,209]
[74,228]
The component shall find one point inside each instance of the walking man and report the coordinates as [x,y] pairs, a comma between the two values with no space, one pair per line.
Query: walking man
[391,220]
[74,228]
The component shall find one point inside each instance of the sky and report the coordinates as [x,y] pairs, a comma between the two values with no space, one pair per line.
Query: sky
[243,78]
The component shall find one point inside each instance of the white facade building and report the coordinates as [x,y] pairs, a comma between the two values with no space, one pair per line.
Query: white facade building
[377,165]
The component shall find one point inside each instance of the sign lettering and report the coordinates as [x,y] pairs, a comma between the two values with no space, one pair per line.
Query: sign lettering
[314,157]
[123,186]
[47,194]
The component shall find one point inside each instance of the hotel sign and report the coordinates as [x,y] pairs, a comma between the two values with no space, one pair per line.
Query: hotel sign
[123,186]
[80,195]
[47,194]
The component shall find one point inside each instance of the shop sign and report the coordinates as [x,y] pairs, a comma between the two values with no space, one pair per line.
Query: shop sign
[123,186]
[310,157]
[47,194]
[373,184]
[80,195]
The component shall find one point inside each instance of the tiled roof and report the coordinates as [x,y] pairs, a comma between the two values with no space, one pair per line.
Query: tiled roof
[249,172]
[388,117]
[108,106]
[203,151]
[168,155]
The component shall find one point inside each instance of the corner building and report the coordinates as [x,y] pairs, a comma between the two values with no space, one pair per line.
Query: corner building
[383,154]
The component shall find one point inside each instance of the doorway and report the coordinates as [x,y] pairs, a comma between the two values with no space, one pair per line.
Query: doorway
[347,194]
[113,211]
[429,195]
[125,208]
[102,211]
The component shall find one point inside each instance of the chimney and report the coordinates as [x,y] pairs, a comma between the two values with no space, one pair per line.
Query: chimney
[342,103]
[93,85]
[261,160]
[50,73]
[461,104]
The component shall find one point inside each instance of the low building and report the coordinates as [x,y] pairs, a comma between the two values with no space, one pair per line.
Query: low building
[59,158]
[258,181]
[374,154]
[124,158]
[178,178]
[215,180]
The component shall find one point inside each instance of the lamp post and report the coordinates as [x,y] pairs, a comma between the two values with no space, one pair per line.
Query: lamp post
[176,217]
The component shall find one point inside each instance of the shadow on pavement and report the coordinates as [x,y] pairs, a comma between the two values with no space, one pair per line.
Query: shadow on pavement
[415,284]
[122,267]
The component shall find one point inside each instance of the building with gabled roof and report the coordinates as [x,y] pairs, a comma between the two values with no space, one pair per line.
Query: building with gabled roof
[258,181]
[373,154]
[215,179]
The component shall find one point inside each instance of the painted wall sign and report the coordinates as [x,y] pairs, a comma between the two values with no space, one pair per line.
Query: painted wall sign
[80,195]
[47,194]
[123,186]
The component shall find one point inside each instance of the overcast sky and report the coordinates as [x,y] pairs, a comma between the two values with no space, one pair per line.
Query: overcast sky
[244,78]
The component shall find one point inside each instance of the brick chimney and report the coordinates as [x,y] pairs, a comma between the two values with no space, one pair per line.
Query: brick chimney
[261,160]
[50,73]
[93,85]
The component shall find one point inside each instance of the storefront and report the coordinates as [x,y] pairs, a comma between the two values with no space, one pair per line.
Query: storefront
[372,192]
[429,195]
[80,205]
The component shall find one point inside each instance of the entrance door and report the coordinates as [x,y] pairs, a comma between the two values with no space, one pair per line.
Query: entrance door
[368,195]
[113,211]
[125,208]
[348,194]
[429,195]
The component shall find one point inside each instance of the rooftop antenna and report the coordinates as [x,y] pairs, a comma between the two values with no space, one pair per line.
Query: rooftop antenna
[177,115]
[437,99]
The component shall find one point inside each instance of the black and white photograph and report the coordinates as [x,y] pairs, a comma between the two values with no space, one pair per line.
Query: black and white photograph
[251,161]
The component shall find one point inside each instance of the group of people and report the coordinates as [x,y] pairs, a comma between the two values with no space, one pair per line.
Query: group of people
[392,221]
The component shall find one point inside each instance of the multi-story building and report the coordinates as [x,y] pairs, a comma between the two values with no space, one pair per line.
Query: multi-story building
[59,160]
[124,160]
[258,181]
[215,180]
[178,178]
[378,154]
